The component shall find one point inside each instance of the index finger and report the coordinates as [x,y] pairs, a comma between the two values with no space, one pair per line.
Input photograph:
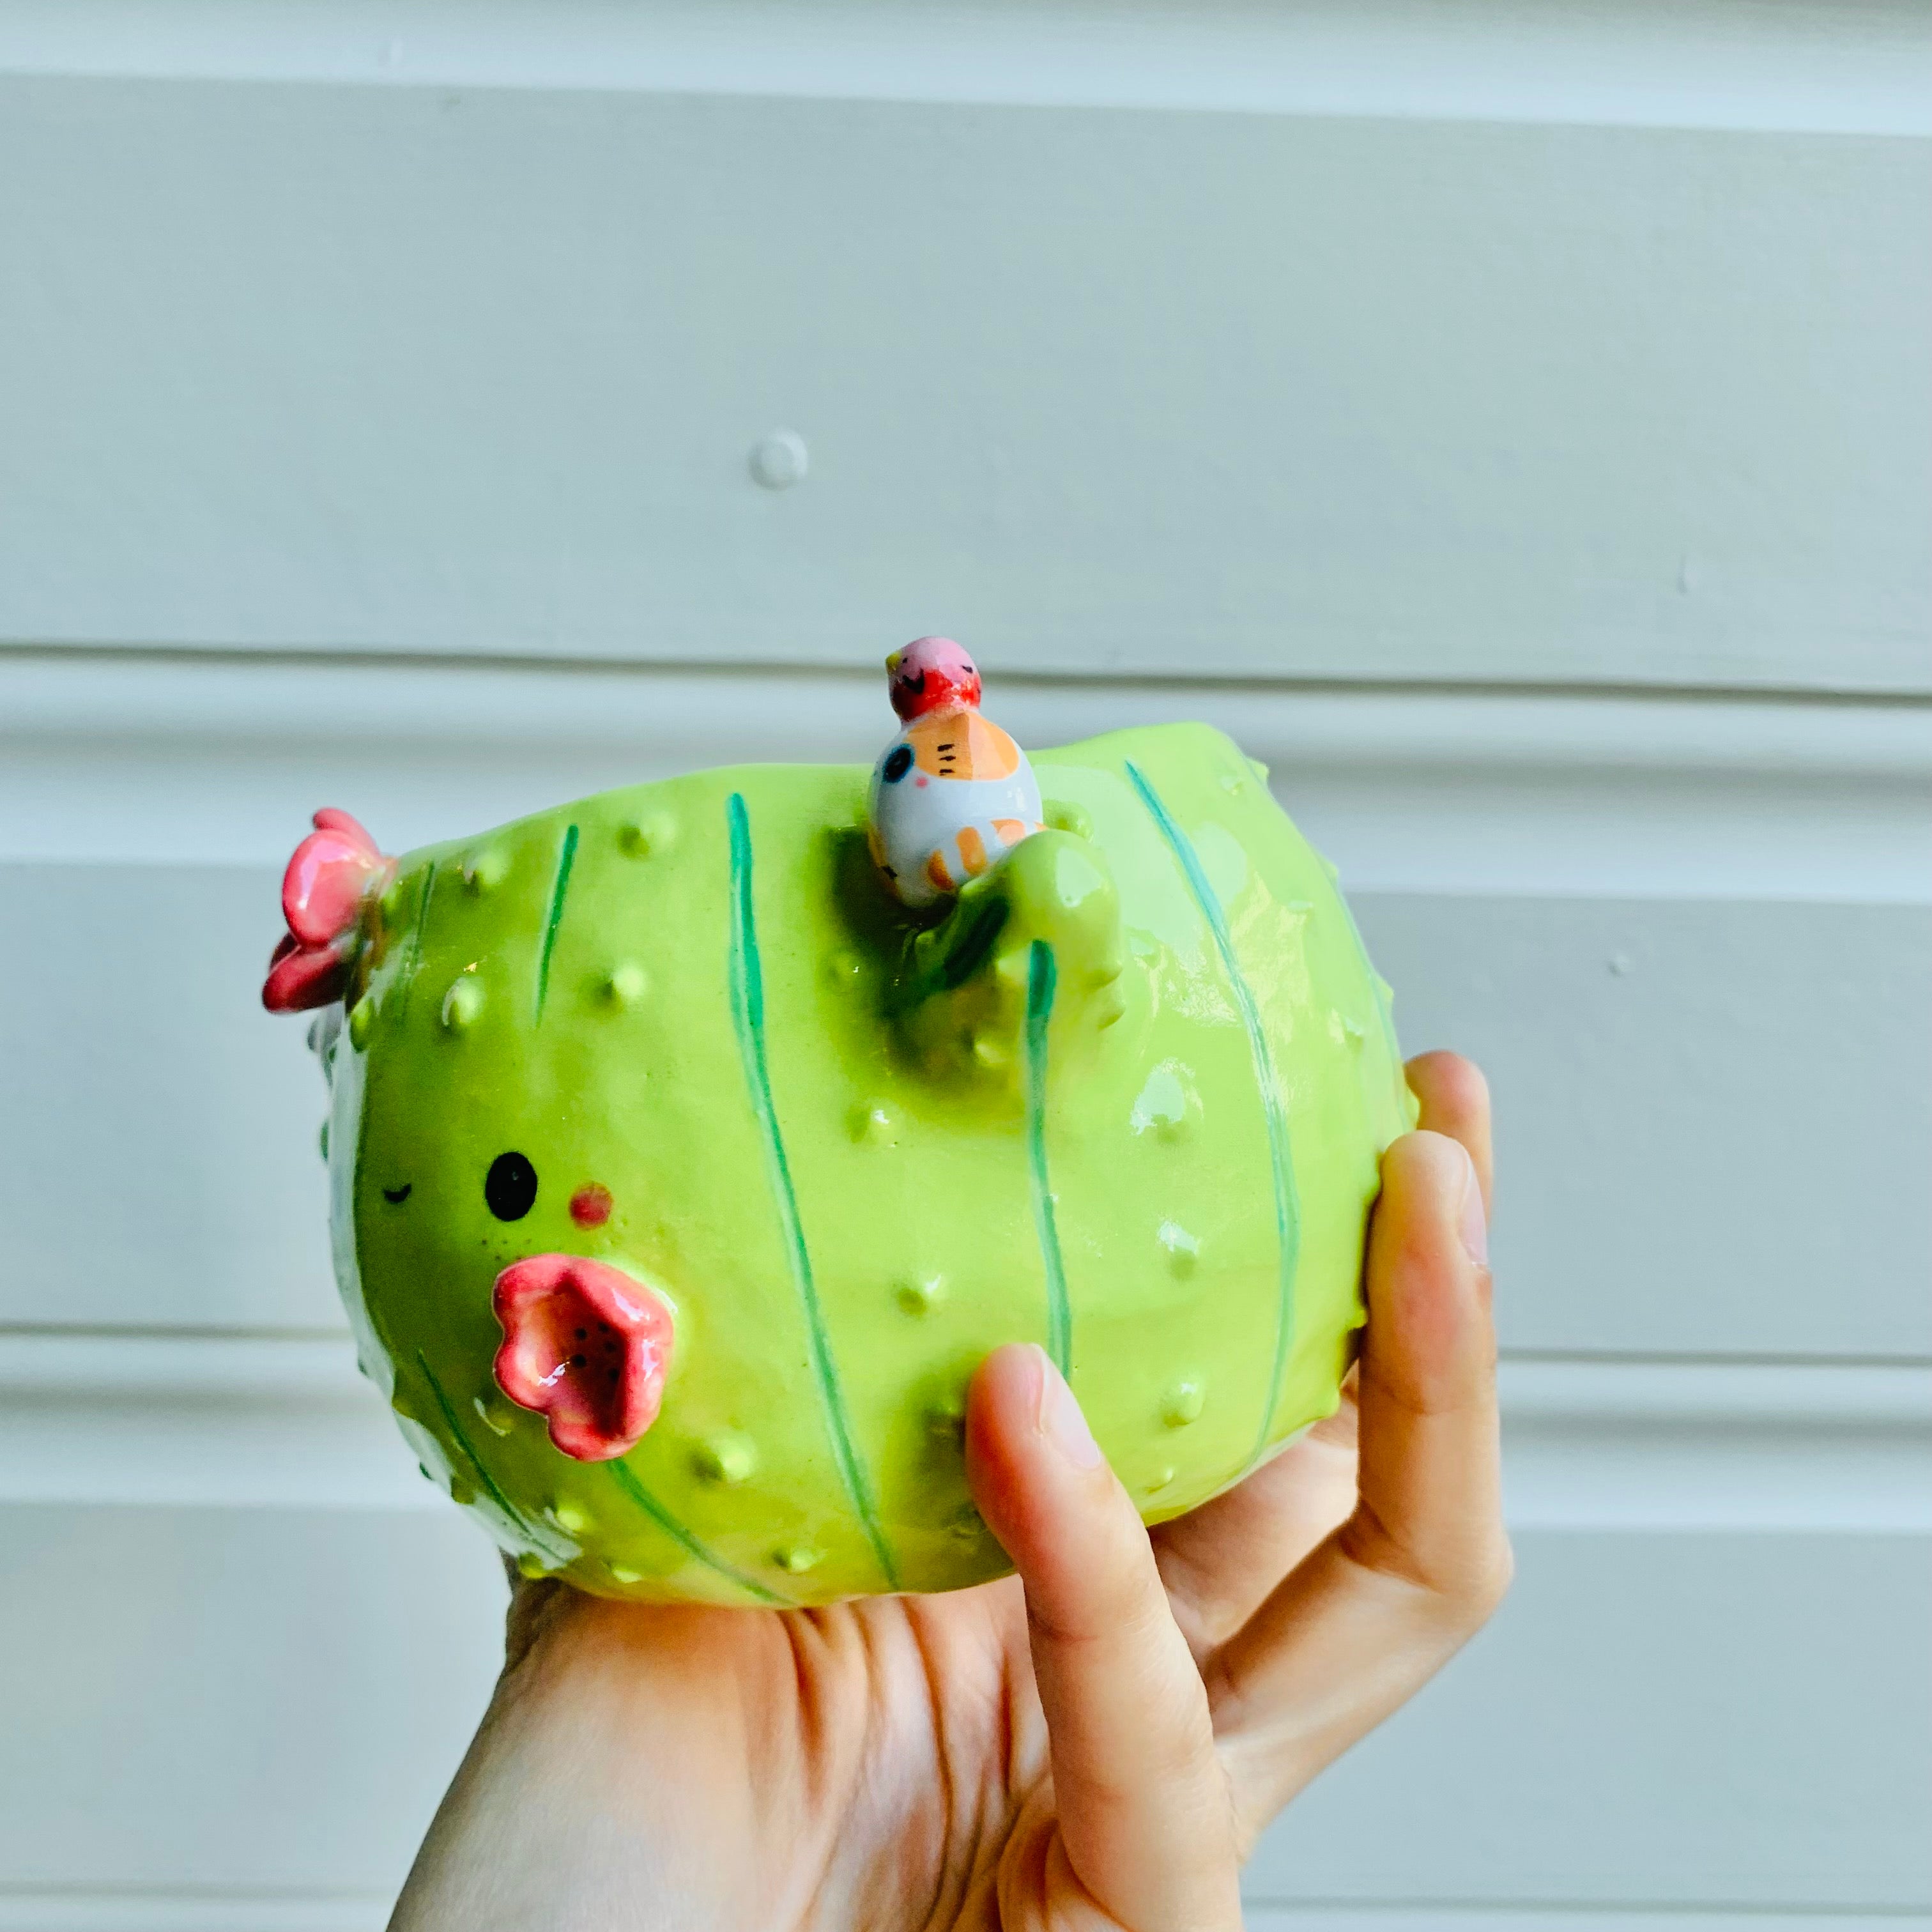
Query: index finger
[1145,1825]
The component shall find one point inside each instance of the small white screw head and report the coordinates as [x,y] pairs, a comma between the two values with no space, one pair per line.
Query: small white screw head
[780,460]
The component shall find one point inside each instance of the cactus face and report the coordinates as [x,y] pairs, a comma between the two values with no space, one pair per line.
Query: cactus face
[670,1064]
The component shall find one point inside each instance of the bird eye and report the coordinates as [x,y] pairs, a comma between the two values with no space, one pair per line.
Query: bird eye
[898,764]
[510,1187]
[396,1196]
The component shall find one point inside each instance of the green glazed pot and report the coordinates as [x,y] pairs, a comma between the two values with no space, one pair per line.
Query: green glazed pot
[674,1046]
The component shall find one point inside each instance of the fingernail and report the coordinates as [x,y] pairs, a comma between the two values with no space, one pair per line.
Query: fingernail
[1060,1421]
[1475,1222]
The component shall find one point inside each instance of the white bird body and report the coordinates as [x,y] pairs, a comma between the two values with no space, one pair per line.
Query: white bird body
[949,797]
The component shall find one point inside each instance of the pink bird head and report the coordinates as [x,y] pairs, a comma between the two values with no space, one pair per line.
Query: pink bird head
[335,869]
[931,674]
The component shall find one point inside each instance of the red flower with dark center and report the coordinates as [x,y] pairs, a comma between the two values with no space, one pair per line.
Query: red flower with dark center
[335,870]
[587,1347]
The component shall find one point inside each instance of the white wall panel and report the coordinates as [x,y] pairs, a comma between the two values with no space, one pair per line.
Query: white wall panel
[160,1133]
[220,1699]
[1714,1120]
[151,1909]
[1690,1721]
[449,370]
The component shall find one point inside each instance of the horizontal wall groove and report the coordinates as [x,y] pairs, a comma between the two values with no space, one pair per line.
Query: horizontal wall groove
[36,1358]
[198,1421]
[12,1894]
[1615,63]
[1710,1358]
[52,696]
[299,1335]
[748,669]
[217,759]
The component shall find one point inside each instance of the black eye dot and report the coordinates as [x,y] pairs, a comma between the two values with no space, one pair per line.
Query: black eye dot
[510,1187]
[396,1196]
[898,764]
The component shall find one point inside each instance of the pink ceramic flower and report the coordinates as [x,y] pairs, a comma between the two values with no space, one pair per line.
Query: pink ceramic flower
[333,870]
[585,1346]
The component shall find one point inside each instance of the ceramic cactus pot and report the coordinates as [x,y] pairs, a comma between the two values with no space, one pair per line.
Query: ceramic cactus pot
[681,1174]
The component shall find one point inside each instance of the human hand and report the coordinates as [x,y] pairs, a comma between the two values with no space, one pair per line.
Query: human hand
[1092,1746]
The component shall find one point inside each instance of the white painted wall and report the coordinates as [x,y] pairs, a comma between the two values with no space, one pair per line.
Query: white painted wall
[1514,423]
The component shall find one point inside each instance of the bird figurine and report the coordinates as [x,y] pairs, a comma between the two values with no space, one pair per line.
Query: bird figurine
[952,794]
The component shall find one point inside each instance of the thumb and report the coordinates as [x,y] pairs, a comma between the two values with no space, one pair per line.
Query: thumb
[1145,1821]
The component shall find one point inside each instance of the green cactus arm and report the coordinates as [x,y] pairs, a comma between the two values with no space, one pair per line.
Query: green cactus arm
[960,996]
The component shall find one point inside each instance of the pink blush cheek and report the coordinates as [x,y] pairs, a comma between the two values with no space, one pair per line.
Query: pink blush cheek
[590,1206]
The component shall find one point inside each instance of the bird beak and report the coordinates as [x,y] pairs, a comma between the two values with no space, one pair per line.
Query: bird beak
[893,664]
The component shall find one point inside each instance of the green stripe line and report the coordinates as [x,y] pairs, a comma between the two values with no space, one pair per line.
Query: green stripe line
[1287,1206]
[412,961]
[1042,977]
[748,1015]
[483,1475]
[565,860]
[628,1482]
